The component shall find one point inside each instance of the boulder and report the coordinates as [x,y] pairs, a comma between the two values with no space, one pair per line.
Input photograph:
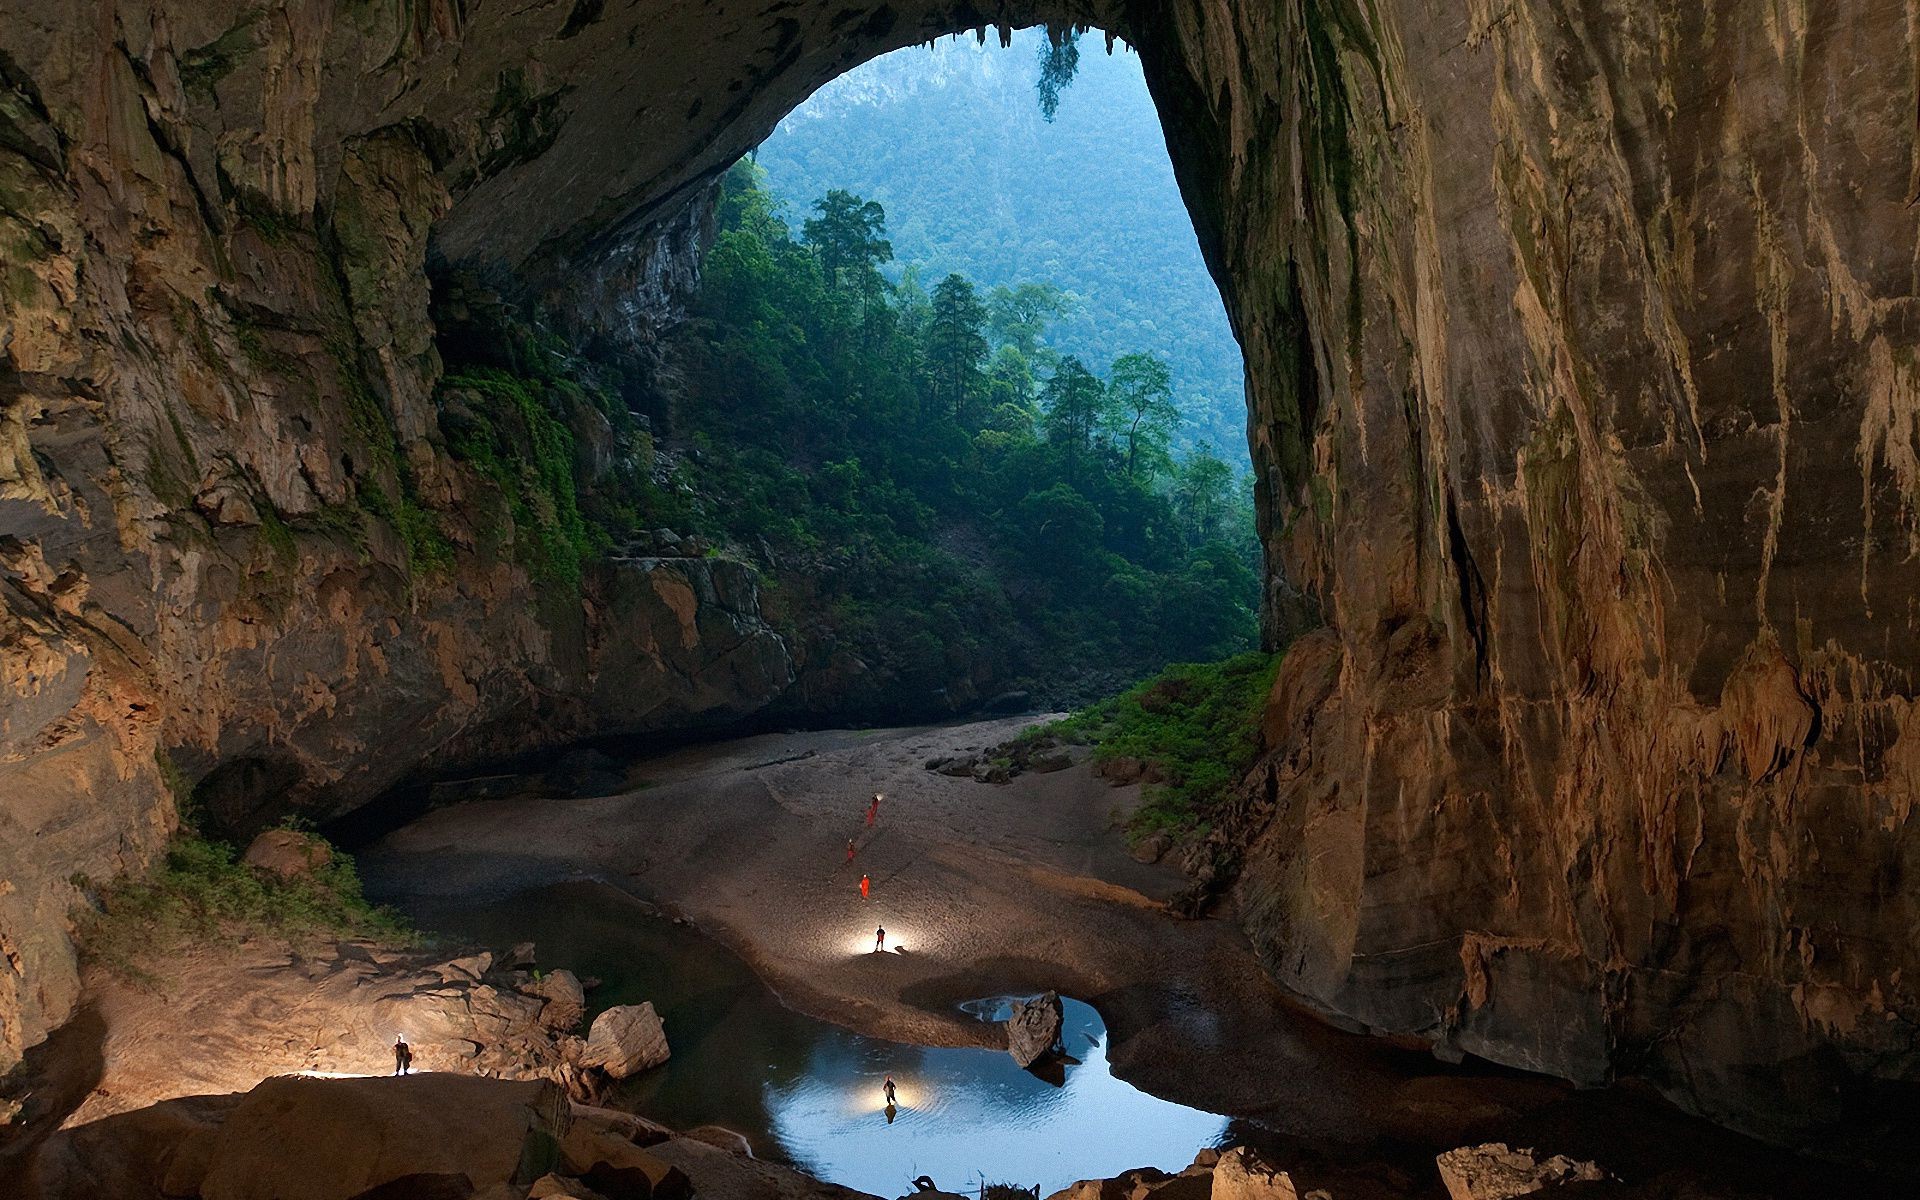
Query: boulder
[1033,1028]
[1240,1174]
[1044,762]
[620,1170]
[626,1040]
[1494,1172]
[287,854]
[566,1000]
[298,1138]
[1152,848]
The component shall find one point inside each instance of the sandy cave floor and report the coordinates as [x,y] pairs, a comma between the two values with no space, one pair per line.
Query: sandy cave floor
[997,888]
[986,889]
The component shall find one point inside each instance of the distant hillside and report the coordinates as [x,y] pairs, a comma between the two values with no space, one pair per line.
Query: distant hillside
[950,140]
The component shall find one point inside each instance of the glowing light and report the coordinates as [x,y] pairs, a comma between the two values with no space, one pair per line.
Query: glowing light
[899,938]
[868,1095]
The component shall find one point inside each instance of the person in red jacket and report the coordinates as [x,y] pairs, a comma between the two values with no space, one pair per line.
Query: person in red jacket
[865,884]
[850,849]
[873,810]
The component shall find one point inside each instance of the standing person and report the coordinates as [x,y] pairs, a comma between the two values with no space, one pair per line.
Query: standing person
[402,1055]
[865,885]
[873,810]
[850,849]
[880,940]
[888,1086]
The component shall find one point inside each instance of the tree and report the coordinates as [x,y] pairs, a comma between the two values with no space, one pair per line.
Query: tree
[1202,494]
[1141,394]
[1018,316]
[956,346]
[1074,401]
[850,237]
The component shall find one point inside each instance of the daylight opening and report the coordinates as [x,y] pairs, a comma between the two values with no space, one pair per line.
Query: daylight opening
[955,340]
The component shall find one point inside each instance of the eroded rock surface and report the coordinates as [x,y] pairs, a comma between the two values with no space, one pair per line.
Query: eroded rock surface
[1580,346]
[1498,1172]
[626,1040]
[1034,1028]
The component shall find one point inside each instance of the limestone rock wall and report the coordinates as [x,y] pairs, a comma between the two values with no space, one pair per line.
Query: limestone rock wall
[1580,344]
[220,459]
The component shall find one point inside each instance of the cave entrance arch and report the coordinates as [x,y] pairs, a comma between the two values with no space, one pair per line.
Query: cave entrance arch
[604,151]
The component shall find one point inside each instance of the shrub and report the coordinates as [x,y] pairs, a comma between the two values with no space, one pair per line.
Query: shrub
[201,891]
[1195,724]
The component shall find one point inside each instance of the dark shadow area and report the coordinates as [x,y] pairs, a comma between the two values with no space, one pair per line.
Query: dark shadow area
[51,1081]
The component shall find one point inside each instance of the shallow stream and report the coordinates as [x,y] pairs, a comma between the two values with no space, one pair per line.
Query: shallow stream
[809,1093]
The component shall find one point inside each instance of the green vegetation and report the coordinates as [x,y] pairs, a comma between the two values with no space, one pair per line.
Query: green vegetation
[951,495]
[200,890]
[978,181]
[505,431]
[1195,726]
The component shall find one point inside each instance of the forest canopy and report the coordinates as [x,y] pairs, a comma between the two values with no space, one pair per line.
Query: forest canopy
[953,488]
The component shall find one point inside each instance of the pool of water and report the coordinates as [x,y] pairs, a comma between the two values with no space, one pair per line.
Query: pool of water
[809,1093]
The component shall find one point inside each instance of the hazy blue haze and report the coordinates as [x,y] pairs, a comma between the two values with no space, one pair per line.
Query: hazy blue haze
[951,141]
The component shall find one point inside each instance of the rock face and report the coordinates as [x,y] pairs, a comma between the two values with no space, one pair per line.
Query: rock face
[1494,1172]
[333,1139]
[626,1040]
[1580,357]
[1241,1174]
[1034,1028]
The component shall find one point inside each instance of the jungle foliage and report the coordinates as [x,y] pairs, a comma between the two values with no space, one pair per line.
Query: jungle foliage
[960,485]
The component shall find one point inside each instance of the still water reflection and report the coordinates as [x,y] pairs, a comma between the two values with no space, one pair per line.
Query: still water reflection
[809,1093]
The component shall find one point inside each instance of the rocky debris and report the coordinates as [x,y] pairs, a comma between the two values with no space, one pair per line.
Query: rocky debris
[335,1139]
[1236,1173]
[626,1040]
[1000,764]
[1123,770]
[1495,1172]
[559,1187]
[566,1000]
[1151,848]
[608,1162]
[1034,1028]
[287,854]
[1240,1174]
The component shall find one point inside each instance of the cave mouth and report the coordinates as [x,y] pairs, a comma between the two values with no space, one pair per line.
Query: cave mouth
[983,441]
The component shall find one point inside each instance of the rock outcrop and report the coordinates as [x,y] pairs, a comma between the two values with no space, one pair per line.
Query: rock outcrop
[1496,1172]
[286,854]
[1033,1029]
[626,1040]
[334,1139]
[1580,355]
[415,1138]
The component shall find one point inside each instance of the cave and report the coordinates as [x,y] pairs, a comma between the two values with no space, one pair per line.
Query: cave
[1580,377]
